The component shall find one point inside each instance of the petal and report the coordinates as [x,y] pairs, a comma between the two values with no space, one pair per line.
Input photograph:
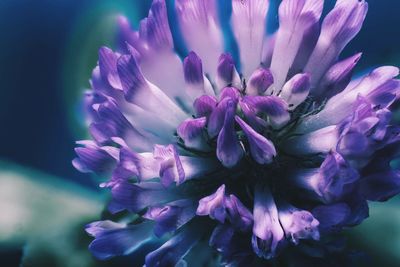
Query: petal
[213,205]
[274,107]
[380,186]
[320,141]
[171,217]
[229,150]
[337,77]
[296,17]
[192,131]
[341,105]
[338,29]
[267,231]
[262,150]
[226,72]
[259,82]
[204,105]
[248,24]
[193,70]
[217,117]
[135,198]
[200,28]
[108,67]
[175,248]
[298,224]
[113,239]
[144,94]
[92,158]
[296,90]
[330,216]
[171,169]
[239,216]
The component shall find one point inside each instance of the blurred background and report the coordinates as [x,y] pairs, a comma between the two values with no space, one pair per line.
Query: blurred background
[48,49]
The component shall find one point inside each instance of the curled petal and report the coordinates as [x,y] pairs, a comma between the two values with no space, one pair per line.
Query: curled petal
[298,224]
[262,150]
[213,205]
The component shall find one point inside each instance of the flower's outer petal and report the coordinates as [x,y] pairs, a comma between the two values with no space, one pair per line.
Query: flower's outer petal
[192,132]
[341,105]
[331,216]
[141,92]
[175,248]
[204,106]
[114,239]
[328,183]
[259,82]
[110,122]
[158,60]
[337,77]
[320,141]
[227,74]
[229,150]
[298,224]
[380,186]
[296,17]
[262,150]
[200,27]
[108,67]
[92,158]
[136,197]
[267,231]
[213,205]
[172,216]
[171,169]
[125,33]
[274,107]
[248,25]
[338,29]
[296,90]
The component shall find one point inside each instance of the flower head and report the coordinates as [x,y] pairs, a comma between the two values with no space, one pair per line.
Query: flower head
[253,154]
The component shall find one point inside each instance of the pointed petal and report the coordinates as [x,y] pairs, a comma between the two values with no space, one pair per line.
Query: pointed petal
[201,31]
[296,17]
[227,74]
[262,150]
[340,26]
[248,25]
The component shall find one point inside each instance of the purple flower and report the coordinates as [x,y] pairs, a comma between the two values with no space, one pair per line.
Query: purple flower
[250,154]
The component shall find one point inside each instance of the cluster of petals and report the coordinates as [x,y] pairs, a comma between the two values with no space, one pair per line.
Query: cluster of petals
[253,151]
